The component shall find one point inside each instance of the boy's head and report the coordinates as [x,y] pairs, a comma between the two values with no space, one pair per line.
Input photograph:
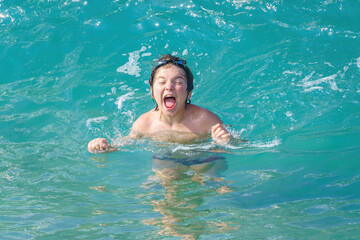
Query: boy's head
[176,61]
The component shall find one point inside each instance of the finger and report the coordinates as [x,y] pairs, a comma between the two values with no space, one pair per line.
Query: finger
[106,145]
[92,146]
[226,136]
[96,146]
[98,142]
[220,131]
[99,145]
[216,126]
[104,142]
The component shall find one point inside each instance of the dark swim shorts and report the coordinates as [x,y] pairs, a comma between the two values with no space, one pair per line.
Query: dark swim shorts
[188,161]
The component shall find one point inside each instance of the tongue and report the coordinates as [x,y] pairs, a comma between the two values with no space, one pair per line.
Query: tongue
[170,102]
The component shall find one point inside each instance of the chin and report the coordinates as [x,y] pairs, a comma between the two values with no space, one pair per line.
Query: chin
[169,112]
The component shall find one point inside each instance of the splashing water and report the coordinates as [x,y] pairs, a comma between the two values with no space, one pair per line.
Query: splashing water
[282,75]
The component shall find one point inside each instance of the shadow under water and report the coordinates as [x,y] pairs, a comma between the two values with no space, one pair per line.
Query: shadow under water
[181,182]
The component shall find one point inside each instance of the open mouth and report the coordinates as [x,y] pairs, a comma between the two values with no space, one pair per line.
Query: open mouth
[169,102]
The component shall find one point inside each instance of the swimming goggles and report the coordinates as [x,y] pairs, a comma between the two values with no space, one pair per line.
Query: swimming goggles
[161,63]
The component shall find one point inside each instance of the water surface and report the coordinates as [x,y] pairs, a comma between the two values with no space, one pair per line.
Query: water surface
[283,75]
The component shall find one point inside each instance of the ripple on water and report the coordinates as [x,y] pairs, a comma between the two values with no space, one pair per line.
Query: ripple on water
[284,75]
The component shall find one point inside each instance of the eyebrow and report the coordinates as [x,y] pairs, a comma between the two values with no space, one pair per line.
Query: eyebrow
[183,75]
[180,75]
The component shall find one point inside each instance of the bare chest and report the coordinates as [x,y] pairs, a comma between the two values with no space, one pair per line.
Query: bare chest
[175,136]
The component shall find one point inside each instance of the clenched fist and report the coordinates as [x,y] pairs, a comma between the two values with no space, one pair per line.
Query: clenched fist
[220,135]
[98,145]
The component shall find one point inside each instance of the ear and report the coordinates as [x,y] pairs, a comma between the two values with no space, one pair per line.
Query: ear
[152,94]
[189,94]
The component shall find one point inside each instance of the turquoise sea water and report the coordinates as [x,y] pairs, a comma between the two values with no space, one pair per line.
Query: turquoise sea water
[283,75]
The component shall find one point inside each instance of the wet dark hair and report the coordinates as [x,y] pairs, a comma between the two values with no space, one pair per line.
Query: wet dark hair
[176,61]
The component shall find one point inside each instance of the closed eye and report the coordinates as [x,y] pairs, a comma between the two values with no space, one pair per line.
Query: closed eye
[160,82]
[179,81]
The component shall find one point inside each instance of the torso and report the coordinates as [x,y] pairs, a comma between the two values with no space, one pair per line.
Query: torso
[196,124]
[175,136]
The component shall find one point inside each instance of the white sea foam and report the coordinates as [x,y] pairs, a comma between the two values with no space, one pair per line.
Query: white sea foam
[113,90]
[289,114]
[308,76]
[291,72]
[358,62]
[314,85]
[131,67]
[95,120]
[130,114]
[93,22]
[265,144]
[313,88]
[4,16]
[256,144]
[148,54]
[120,100]
[199,147]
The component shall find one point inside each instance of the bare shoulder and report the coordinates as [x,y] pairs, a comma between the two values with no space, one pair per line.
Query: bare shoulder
[142,124]
[204,116]
[204,113]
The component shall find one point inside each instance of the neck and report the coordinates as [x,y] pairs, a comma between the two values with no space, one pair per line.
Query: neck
[177,118]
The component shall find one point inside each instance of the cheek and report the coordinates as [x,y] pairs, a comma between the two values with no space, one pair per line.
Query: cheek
[157,91]
[181,88]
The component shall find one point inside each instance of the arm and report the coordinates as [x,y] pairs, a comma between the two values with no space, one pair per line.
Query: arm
[101,145]
[215,126]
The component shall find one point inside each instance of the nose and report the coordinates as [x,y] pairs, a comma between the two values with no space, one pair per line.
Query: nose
[169,85]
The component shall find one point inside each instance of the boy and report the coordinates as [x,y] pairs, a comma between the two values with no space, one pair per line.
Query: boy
[174,119]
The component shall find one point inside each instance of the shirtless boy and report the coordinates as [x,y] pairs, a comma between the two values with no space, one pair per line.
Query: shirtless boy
[174,119]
